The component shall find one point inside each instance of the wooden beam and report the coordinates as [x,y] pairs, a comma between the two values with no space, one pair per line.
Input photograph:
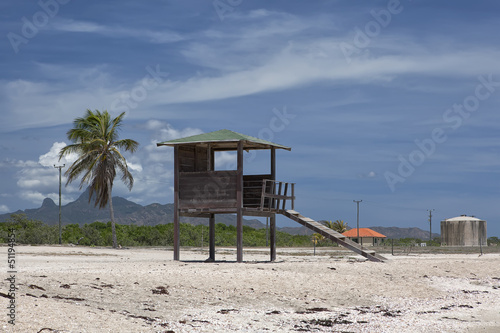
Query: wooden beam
[285,194]
[239,207]
[256,212]
[176,204]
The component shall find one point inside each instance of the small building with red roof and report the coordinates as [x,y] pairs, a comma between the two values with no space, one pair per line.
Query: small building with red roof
[368,237]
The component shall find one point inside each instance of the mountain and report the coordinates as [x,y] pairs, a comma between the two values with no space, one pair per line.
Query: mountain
[390,232]
[396,233]
[303,231]
[81,212]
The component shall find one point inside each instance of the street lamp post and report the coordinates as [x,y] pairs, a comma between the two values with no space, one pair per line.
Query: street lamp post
[430,223]
[357,216]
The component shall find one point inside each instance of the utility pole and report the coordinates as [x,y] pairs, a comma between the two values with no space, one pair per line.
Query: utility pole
[430,223]
[60,229]
[357,216]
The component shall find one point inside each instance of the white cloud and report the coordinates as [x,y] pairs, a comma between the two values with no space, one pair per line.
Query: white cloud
[78,74]
[38,177]
[225,160]
[38,183]
[163,131]
[368,175]
[52,157]
[134,166]
[301,63]
[4,209]
[39,180]
[267,69]
[50,103]
[153,181]
[259,13]
[17,163]
[33,196]
[152,36]
[269,57]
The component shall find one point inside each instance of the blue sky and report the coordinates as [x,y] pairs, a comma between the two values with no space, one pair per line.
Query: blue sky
[395,103]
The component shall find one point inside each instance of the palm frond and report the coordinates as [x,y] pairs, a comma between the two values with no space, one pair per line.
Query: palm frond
[339,225]
[127,145]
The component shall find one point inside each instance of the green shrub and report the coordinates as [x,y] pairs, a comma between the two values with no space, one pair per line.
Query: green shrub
[99,234]
[30,231]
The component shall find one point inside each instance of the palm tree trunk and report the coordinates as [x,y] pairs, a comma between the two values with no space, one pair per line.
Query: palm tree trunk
[112,216]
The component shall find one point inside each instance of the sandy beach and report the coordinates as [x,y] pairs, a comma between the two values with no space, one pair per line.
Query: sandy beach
[82,289]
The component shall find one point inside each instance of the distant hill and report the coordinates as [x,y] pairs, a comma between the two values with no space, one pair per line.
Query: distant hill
[395,233]
[390,232]
[81,212]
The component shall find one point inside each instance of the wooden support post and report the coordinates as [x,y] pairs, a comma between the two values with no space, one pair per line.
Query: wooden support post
[272,229]
[239,199]
[211,228]
[272,201]
[272,240]
[273,163]
[211,158]
[176,204]
[211,220]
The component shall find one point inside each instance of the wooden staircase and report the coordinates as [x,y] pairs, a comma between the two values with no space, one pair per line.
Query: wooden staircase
[333,235]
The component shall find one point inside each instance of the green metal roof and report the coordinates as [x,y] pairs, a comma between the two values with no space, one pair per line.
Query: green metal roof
[224,139]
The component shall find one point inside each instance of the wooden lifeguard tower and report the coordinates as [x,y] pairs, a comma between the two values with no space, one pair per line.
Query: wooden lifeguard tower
[202,191]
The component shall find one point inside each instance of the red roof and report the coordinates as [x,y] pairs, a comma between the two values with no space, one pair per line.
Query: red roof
[363,232]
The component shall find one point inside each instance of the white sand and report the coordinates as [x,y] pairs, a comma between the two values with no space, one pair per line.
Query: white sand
[106,290]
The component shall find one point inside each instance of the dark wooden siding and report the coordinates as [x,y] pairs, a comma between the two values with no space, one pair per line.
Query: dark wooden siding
[209,189]
[193,159]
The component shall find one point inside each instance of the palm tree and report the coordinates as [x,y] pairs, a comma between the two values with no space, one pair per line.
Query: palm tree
[95,140]
[339,226]
[317,238]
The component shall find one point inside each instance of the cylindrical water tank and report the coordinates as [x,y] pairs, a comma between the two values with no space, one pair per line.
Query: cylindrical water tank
[463,231]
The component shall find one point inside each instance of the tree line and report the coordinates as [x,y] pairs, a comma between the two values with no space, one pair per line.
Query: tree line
[29,231]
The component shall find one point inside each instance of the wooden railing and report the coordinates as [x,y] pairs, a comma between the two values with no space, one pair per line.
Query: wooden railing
[252,190]
[275,195]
